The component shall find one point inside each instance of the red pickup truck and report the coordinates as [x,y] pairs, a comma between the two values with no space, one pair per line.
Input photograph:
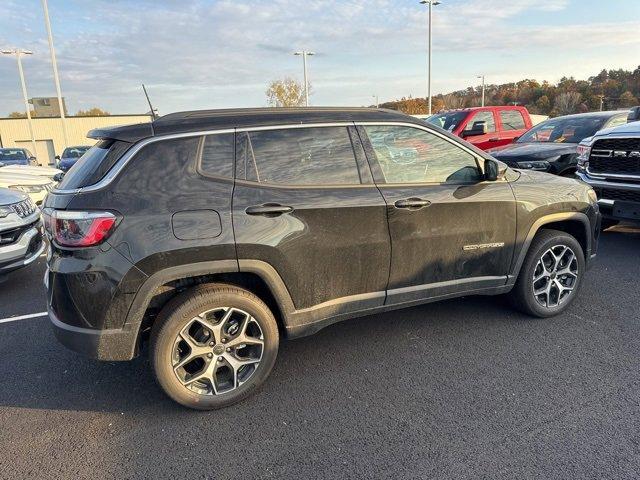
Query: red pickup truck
[485,127]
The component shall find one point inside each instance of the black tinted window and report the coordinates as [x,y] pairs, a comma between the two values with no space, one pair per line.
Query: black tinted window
[94,164]
[512,120]
[303,156]
[217,155]
[412,155]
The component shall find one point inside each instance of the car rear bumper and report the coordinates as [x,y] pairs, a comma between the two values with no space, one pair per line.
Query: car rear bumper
[109,345]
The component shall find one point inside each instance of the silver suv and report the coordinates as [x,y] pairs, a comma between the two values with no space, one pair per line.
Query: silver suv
[20,231]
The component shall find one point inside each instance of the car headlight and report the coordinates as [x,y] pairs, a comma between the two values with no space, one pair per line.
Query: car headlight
[5,211]
[583,155]
[535,165]
[27,188]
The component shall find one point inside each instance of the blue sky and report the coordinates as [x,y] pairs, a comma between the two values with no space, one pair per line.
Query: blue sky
[214,54]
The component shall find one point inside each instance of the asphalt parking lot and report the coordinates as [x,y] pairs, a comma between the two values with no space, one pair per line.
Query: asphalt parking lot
[460,389]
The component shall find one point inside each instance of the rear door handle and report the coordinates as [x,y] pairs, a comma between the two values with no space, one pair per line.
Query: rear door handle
[494,139]
[412,203]
[269,209]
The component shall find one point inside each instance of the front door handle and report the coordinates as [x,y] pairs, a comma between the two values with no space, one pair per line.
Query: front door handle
[269,209]
[494,139]
[412,203]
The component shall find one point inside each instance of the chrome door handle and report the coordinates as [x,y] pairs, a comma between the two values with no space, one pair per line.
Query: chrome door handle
[412,203]
[269,210]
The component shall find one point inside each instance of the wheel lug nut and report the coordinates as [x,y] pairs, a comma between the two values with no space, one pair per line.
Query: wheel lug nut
[210,355]
[228,349]
[220,359]
[224,340]
[211,344]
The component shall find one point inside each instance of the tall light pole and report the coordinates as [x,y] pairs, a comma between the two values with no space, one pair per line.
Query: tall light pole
[377,101]
[56,78]
[431,4]
[304,54]
[482,77]
[18,53]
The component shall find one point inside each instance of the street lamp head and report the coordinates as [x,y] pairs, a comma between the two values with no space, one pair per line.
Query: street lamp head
[16,51]
[430,2]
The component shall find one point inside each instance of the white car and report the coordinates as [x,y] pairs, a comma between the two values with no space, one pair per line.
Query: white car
[34,186]
[49,172]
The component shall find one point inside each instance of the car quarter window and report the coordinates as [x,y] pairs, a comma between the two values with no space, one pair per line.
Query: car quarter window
[482,117]
[512,120]
[217,155]
[301,156]
[413,155]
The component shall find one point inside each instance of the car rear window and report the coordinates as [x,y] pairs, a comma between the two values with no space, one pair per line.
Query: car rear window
[94,164]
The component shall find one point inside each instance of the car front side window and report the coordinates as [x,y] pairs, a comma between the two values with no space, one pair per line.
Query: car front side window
[482,117]
[413,155]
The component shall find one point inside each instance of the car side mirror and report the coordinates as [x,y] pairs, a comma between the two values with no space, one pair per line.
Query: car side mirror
[31,159]
[57,157]
[58,177]
[491,170]
[478,128]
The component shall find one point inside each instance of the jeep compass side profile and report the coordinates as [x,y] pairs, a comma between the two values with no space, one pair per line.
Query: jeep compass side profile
[210,235]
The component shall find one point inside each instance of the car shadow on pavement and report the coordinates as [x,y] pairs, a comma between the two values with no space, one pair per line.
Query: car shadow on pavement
[63,380]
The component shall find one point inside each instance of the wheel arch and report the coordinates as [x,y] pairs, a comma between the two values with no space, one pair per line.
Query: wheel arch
[256,276]
[576,224]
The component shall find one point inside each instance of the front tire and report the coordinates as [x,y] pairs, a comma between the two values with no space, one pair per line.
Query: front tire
[551,275]
[213,346]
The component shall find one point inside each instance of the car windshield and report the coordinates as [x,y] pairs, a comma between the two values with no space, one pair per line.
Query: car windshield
[448,120]
[74,152]
[564,130]
[13,156]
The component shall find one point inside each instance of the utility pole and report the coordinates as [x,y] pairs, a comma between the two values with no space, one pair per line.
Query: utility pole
[482,77]
[56,78]
[304,54]
[18,53]
[431,4]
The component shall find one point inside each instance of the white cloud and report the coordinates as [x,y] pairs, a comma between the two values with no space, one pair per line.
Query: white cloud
[201,54]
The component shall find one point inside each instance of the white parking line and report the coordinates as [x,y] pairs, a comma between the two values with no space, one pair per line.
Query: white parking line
[23,317]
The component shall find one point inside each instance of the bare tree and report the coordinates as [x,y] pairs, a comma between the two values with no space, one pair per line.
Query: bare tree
[285,93]
[452,101]
[567,103]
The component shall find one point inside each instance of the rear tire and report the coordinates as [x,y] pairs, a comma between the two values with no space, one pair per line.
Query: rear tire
[213,346]
[551,275]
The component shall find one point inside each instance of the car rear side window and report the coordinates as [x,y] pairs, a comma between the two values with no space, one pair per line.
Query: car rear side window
[217,155]
[512,120]
[302,156]
[94,164]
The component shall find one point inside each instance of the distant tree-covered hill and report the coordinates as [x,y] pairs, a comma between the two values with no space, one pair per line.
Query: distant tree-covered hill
[609,90]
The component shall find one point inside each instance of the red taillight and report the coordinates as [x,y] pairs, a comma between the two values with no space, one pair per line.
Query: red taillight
[79,229]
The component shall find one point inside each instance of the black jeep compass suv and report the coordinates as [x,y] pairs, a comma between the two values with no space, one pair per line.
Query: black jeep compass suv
[210,235]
